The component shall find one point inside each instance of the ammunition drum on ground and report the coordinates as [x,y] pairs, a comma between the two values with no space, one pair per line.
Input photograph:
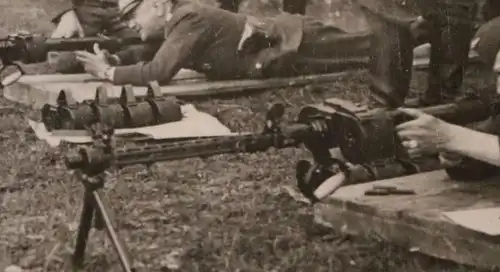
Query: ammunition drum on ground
[127,112]
[112,115]
[51,118]
[76,117]
[165,110]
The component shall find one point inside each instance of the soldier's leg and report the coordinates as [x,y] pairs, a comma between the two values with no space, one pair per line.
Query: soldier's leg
[450,44]
[327,49]
[295,6]
[390,65]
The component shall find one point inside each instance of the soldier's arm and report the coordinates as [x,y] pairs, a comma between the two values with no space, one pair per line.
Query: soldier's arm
[478,145]
[179,46]
[136,53]
[481,151]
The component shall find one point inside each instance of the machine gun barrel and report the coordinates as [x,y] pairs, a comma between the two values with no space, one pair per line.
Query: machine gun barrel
[87,43]
[94,159]
[29,48]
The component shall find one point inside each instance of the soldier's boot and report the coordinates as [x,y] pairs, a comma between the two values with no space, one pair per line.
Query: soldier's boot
[295,6]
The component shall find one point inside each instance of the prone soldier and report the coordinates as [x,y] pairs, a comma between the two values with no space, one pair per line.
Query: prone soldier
[91,17]
[226,45]
[400,25]
[82,18]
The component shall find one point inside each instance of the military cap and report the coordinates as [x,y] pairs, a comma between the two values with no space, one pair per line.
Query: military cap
[126,6]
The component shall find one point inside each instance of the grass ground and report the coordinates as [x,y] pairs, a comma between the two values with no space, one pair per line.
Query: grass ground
[225,213]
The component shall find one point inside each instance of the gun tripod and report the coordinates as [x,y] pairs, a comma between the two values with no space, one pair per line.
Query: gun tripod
[96,211]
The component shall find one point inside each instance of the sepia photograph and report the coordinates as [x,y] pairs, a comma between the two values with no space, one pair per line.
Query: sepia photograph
[250,135]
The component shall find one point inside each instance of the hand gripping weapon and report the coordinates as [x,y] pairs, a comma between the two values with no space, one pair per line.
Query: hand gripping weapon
[31,48]
[366,138]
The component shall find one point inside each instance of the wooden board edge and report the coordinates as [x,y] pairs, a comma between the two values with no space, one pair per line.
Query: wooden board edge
[417,237]
[30,95]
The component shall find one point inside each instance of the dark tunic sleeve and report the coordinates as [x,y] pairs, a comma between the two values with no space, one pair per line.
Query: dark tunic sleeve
[138,53]
[472,169]
[178,49]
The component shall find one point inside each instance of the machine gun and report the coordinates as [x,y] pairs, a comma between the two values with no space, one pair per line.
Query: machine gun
[32,48]
[366,138]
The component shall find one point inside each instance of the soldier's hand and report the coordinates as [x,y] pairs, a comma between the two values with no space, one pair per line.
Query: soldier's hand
[68,27]
[95,64]
[425,134]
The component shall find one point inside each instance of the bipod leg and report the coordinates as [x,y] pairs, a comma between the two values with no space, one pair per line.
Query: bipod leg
[84,229]
[99,222]
[118,244]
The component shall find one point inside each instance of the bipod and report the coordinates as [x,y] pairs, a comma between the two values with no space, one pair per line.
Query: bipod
[95,210]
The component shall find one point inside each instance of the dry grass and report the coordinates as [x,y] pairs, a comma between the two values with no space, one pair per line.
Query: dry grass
[226,213]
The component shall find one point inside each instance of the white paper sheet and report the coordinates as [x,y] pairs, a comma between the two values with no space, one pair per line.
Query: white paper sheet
[482,220]
[194,124]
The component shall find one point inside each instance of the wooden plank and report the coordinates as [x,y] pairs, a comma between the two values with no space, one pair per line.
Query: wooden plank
[49,78]
[36,94]
[417,221]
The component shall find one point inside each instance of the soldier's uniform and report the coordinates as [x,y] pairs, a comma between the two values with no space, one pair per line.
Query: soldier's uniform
[448,27]
[219,47]
[103,16]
